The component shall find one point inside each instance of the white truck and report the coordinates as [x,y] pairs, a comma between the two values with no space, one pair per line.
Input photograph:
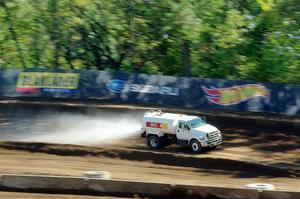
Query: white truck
[162,129]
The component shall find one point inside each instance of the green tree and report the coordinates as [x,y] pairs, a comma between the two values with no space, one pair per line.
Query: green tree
[242,39]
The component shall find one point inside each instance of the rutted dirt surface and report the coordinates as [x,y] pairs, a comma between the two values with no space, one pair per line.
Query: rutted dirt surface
[17,195]
[249,154]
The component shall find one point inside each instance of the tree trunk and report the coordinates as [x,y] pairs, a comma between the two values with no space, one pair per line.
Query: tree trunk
[186,58]
[36,43]
[54,31]
[131,53]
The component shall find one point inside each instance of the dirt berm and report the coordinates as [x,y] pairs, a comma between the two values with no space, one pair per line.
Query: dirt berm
[219,117]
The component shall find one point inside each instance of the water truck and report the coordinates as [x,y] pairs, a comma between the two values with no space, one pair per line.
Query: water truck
[162,129]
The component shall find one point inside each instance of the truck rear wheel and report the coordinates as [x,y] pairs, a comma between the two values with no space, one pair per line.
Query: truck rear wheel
[195,146]
[153,141]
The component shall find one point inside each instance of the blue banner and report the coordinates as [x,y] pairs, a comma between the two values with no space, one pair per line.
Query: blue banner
[180,92]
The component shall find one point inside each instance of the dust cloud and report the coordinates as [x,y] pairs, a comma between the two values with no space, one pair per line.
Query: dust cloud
[99,128]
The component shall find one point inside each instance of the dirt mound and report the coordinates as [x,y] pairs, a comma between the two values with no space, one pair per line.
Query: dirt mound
[227,166]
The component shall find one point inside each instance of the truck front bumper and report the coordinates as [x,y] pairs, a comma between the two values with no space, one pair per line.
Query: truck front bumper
[210,143]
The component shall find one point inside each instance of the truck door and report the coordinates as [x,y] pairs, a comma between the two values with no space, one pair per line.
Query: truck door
[182,131]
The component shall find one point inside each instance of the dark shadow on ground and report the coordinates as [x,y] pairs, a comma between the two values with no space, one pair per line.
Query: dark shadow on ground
[258,139]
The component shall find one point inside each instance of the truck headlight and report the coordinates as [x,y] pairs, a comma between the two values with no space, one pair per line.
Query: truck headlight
[202,138]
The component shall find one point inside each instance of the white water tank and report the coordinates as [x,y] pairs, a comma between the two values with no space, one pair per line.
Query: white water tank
[160,121]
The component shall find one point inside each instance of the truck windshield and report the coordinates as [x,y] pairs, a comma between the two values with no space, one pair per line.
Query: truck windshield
[196,122]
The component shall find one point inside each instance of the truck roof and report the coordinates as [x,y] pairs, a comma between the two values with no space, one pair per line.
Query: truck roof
[173,116]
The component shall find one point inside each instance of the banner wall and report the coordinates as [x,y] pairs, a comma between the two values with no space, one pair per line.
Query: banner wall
[181,92]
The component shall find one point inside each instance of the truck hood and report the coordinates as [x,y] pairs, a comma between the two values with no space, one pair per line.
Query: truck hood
[206,128]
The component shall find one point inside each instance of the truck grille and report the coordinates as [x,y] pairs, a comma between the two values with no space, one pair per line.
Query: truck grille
[214,138]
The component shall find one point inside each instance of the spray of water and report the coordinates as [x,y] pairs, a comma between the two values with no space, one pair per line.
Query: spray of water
[83,129]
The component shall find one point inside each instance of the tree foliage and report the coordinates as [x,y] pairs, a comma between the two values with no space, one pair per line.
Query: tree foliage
[242,39]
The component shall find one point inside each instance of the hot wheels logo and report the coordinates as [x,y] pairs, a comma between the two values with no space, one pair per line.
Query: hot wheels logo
[236,94]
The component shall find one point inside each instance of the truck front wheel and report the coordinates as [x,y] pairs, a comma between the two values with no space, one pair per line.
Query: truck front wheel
[195,146]
[153,141]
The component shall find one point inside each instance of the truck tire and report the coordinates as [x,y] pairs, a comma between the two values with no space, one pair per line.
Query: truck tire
[153,141]
[195,146]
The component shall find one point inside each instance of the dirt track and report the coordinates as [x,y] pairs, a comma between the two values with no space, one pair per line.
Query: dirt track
[16,195]
[248,155]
